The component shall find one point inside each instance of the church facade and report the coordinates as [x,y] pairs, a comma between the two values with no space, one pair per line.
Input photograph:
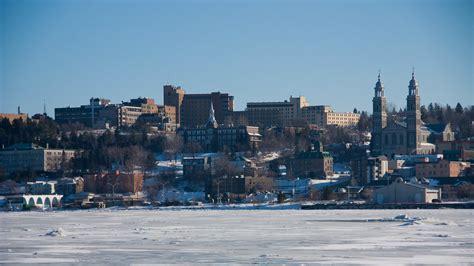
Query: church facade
[391,137]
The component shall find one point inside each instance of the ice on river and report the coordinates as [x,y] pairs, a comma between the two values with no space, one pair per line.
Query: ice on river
[238,236]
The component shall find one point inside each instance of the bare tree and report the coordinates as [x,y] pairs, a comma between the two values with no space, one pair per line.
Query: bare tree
[223,167]
[173,145]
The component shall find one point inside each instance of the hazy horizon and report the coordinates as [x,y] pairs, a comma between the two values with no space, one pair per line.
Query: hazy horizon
[65,52]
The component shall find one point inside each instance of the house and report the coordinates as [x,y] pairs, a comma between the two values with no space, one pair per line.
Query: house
[403,192]
[41,187]
[440,132]
[70,186]
[292,186]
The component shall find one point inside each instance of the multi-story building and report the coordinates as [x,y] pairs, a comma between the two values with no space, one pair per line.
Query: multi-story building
[297,110]
[195,108]
[314,163]
[377,167]
[442,168]
[213,137]
[70,186]
[117,182]
[12,117]
[342,119]
[173,96]
[147,105]
[20,157]
[276,113]
[191,110]
[237,186]
[169,112]
[128,115]
[315,114]
[323,115]
[85,114]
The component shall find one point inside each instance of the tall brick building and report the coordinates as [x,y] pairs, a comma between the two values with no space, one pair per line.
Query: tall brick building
[192,109]
[173,96]
[195,108]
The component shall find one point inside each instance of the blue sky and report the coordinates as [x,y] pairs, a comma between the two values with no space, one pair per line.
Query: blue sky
[65,52]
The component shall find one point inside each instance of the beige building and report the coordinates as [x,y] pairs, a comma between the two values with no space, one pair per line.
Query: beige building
[315,114]
[168,111]
[442,168]
[296,110]
[276,113]
[12,117]
[148,105]
[128,115]
[21,157]
[402,192]
[323,115]
[342,119]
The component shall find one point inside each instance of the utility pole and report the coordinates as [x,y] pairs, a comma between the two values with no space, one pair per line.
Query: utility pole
[113,191]
[162,184]
[218,182]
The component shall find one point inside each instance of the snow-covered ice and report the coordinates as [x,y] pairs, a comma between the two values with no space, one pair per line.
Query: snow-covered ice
[113,236]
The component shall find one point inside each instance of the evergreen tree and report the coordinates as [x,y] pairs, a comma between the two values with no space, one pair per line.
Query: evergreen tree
[458,109]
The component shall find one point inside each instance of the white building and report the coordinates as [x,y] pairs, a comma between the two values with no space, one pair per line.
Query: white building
[402,192]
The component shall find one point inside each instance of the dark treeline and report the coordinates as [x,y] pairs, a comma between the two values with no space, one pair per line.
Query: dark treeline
[459,117]
[123,150]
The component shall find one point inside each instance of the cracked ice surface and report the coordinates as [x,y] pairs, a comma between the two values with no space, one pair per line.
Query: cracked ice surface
[238,236]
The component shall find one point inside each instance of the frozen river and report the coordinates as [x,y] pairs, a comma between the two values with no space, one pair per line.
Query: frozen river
[238,236]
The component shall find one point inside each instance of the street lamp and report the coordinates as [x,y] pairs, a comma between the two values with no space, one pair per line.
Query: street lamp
[218,182]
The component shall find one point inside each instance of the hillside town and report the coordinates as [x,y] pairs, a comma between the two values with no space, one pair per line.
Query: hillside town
[196,150]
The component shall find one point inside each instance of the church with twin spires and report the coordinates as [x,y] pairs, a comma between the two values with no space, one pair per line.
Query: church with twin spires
[391,137]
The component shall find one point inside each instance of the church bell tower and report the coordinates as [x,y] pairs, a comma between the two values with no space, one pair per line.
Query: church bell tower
[379,117]
[413,119]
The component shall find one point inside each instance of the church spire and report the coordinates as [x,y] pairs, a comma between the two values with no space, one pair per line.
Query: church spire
[413,87]
[379,88]
[44,108]
[212,118]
